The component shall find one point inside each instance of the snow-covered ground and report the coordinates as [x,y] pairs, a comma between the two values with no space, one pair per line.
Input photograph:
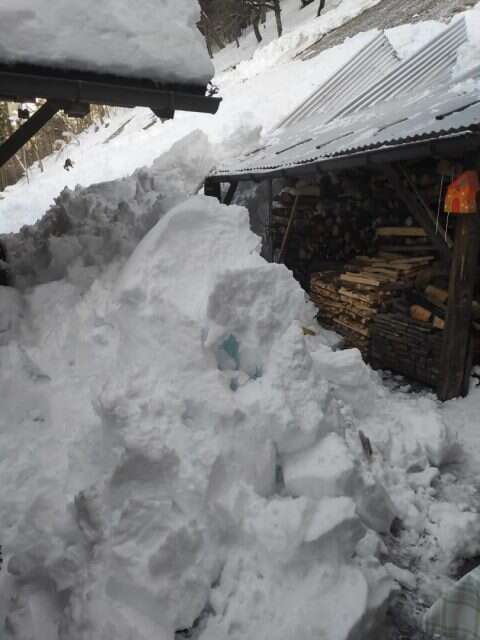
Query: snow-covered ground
[147,39]
[175,449]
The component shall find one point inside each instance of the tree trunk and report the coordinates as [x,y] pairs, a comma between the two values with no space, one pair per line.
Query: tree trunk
[278,17]
[321,7]
[256,26]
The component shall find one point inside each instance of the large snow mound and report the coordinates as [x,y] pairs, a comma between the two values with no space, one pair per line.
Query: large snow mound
[146,39]
[150,412]
[176,453]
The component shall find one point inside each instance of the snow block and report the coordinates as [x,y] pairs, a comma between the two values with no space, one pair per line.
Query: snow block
[325,470]
[335,521]
[375,507]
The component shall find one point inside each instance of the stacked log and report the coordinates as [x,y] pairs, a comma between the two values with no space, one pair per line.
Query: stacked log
[334,221]
[406,240]
[406,346]
[349,299]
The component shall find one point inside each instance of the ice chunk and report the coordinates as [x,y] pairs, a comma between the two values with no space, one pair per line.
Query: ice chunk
[327,469]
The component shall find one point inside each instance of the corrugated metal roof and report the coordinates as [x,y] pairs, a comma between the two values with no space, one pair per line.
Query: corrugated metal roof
[429,66]
[428,105]
[432,116]
[375,60]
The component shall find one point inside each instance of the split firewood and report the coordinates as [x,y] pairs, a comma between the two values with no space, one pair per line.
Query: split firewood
[436,295]
[438,323]
[418,312]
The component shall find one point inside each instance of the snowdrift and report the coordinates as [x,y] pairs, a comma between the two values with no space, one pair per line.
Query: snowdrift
[175,452]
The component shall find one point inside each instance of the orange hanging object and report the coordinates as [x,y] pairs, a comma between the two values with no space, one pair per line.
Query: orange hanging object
[462,194]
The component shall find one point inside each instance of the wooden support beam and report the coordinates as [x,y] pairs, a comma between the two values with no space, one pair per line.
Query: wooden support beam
[456,361]
[230,193]
[23,134]
[213,189]
[420,211]
[268,240]
[286,237]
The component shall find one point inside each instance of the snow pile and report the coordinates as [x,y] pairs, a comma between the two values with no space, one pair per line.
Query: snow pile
[153,432]
[90,227]
[146,39]
[414,448]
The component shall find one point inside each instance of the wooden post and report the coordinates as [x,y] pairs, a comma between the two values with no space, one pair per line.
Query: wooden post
[455,365]
[230,193]
[286,237]
[213,188]
[267,237]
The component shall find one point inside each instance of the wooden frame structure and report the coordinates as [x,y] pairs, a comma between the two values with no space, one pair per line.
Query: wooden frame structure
[74,92]
[460,256]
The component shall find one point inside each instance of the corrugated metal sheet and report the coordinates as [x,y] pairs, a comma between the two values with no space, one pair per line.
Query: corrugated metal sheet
[429,117]
[428,105]
[375,60]
[430,66]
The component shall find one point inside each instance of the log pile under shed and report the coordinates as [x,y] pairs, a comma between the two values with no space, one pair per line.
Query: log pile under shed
[350,299]
[370,270]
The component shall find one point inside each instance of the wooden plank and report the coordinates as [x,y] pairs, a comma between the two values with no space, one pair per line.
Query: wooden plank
[420,211]
[402,232]
[455,367]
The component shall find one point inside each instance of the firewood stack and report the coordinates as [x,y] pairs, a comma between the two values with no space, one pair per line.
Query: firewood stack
[349,299]
[407,346]
[332,223]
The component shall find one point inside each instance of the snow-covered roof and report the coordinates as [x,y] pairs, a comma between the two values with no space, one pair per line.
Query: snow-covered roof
[143,39]
[375,60]
[423,98]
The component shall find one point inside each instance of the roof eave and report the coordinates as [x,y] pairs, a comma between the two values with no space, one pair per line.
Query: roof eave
[22,83]
[453,145]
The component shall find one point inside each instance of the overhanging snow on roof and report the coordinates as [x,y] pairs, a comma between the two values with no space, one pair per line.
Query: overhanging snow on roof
[415,106]
[145,39]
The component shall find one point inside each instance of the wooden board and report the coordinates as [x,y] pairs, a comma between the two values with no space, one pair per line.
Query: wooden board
[402,232]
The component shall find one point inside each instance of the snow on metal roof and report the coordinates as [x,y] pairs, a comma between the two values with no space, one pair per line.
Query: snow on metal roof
[428,104]
[376,59]
[429,66]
